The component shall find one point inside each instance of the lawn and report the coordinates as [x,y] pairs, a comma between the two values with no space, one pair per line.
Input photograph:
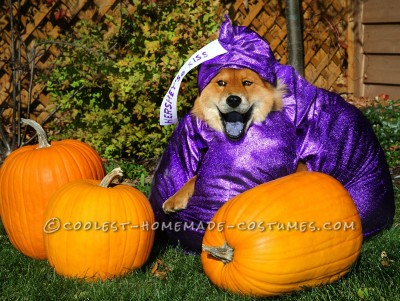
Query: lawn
[179,276]
[171,274]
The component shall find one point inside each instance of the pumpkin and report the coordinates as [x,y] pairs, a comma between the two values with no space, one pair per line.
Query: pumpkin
[94,231]
[28,178]
[302,230]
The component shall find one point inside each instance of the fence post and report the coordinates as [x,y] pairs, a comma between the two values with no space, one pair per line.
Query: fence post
[295,35]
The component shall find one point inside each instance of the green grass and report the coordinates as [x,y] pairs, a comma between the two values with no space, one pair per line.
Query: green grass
[373,277]
[23,278]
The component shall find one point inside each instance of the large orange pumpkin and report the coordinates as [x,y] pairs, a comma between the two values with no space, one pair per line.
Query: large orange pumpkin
[298,231]
[28,178]
[95,232]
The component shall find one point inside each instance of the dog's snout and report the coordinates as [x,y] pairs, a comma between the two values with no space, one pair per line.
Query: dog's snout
[233,101]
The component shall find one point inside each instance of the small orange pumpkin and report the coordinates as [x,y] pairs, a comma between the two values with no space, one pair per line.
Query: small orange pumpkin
[28,178]
[95,232]
[298,231]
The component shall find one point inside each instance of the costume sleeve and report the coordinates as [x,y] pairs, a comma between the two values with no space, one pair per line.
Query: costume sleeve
[338,140]
[179,162]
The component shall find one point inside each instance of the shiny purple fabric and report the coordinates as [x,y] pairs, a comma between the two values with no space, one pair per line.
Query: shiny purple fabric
[315,126]
[245,50]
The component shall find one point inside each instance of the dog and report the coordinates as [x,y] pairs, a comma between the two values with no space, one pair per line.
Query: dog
[256,120]
[231,103]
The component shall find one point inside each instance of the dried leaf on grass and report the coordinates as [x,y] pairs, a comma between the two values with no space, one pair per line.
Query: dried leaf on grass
[385,260]
[160,270]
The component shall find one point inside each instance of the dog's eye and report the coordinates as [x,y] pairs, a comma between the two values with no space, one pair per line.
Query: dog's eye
[247,83]
[221,83]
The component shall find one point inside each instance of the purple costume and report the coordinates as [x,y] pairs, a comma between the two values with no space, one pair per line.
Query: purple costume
[315,126]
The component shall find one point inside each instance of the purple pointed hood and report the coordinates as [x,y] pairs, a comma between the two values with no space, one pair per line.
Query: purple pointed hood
[246,49]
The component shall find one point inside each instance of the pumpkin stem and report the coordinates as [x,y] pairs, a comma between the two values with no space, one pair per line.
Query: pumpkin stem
[116,172]
[223,253]
[42,137]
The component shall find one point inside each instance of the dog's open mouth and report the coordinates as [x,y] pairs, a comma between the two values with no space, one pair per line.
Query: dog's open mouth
[235,124]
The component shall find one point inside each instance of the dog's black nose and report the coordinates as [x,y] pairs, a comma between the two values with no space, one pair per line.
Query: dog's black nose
[233,101]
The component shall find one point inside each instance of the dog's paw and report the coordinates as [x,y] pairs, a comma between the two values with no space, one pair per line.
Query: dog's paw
[173,205]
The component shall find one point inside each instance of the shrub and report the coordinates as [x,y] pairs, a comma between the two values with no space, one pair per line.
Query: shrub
[385,120]
[109,86]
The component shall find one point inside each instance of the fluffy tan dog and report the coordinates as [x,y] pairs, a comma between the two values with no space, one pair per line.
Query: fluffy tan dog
[236,98]
[230,103]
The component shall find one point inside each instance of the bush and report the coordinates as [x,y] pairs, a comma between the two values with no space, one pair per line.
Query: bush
[385,120]
[109,86]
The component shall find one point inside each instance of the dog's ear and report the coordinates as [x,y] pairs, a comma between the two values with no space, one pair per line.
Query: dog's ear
[278,93]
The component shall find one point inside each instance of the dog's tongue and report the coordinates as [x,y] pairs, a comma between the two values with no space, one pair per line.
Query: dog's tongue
[234,124]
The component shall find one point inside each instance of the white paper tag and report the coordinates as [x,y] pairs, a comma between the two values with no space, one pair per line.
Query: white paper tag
[168,111]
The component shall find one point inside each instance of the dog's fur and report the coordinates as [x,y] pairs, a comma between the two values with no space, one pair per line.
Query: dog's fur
[255,94]
[238,91]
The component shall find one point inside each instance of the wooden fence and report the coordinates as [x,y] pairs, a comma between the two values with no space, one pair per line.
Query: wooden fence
[378,53]
[40,20]
[326,33]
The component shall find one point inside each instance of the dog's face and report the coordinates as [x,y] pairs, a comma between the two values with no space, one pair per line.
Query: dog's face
[236,98]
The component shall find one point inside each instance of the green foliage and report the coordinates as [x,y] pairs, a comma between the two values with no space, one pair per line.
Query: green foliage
[134,172]
[385,119]
[111,78]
